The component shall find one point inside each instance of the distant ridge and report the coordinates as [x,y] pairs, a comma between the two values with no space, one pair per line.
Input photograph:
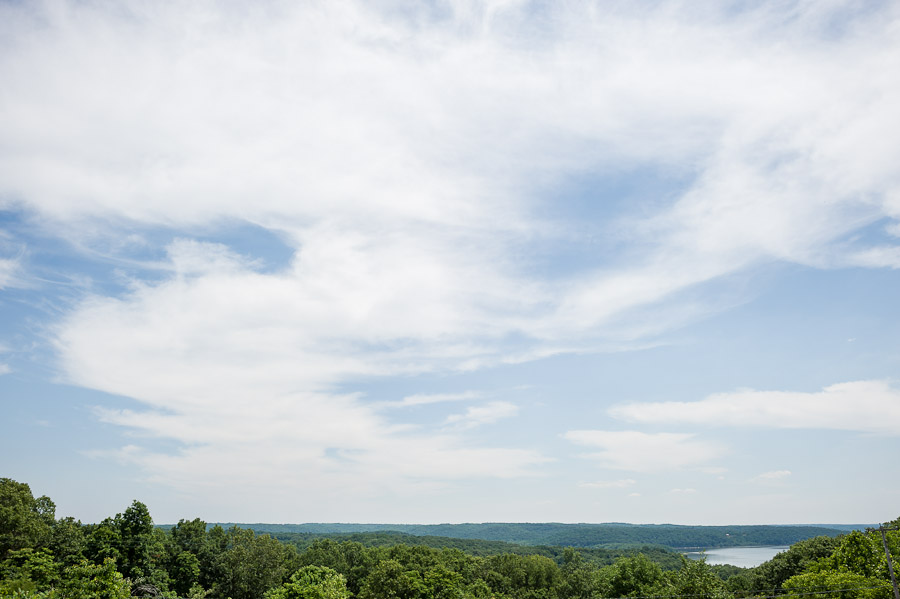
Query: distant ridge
[580,535]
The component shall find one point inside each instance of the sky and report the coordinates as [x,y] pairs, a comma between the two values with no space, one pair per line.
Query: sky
[452,261]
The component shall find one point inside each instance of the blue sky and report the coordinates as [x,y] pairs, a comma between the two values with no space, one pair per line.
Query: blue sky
[464,261]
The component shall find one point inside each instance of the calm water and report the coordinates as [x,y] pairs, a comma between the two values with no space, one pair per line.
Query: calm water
[746,557]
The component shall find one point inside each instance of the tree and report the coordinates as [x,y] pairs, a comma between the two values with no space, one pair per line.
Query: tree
[28,570]
[185,572]
[441,583]
[578,577]
[253,564]
[696,578]
[522,575]
[795,560]
[389,580]
[24,520]
[103,542]
[135,527]
[832,584]
[350,559]
[211,555]
[312,582]
[92,581]
[629,577]
[189,535]
[67,541]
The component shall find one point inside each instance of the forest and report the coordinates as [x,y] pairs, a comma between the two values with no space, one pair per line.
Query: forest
[574,535]
[126,555]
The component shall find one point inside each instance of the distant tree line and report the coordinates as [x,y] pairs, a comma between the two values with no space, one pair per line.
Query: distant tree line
[44,557]
[667,558]
[577,535]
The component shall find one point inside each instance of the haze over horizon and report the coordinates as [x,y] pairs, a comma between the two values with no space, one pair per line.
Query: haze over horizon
[461,261]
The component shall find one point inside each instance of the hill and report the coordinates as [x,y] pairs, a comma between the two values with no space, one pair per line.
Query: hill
[574,535]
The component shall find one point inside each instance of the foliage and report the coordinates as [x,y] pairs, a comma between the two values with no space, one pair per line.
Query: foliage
[25,521]
[92,581]
[795,560]
[312,582]
[577,535]
[630,577]
[126,555]
[664,556]
[837,585]
[252,564]
[696,578]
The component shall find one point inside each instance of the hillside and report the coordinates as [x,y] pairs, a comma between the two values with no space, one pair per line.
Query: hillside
[574,535]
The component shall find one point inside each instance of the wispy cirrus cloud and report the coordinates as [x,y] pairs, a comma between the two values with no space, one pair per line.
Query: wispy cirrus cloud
[11,269]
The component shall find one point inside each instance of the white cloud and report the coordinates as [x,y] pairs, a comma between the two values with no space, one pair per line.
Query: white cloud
[682,491]
[609,484]
[9,271]
[486,414]
[420,399]
[323,447]
[239,366]
[188,257]
[863,406]
[5,369]
[774,475]
[365,123]
[876,257]
[715,470]
[408,159]
[645,452]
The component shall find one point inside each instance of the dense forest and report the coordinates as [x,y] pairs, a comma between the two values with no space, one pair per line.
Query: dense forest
[576,535]
[45,557]
[665,557]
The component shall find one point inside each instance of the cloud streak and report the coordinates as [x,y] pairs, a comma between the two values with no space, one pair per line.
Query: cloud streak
[860,406]
[645,452]
[486,414]
[609,484]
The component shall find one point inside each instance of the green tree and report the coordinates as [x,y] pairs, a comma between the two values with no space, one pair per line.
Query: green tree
[189,535]
[92,581]
[211,556]
[526,576]
[252,564]
[67,541]
[578,581]
[629,577]
[695,577]
[442,583]
[390,580]
[25,521]
[103,542]
[185,572]
[772,574]
[312,582]
[28,570]
[350,559]
[135,527]
[858,553]
[832,584]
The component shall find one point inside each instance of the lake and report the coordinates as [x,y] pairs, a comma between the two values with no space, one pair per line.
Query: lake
[745,557]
